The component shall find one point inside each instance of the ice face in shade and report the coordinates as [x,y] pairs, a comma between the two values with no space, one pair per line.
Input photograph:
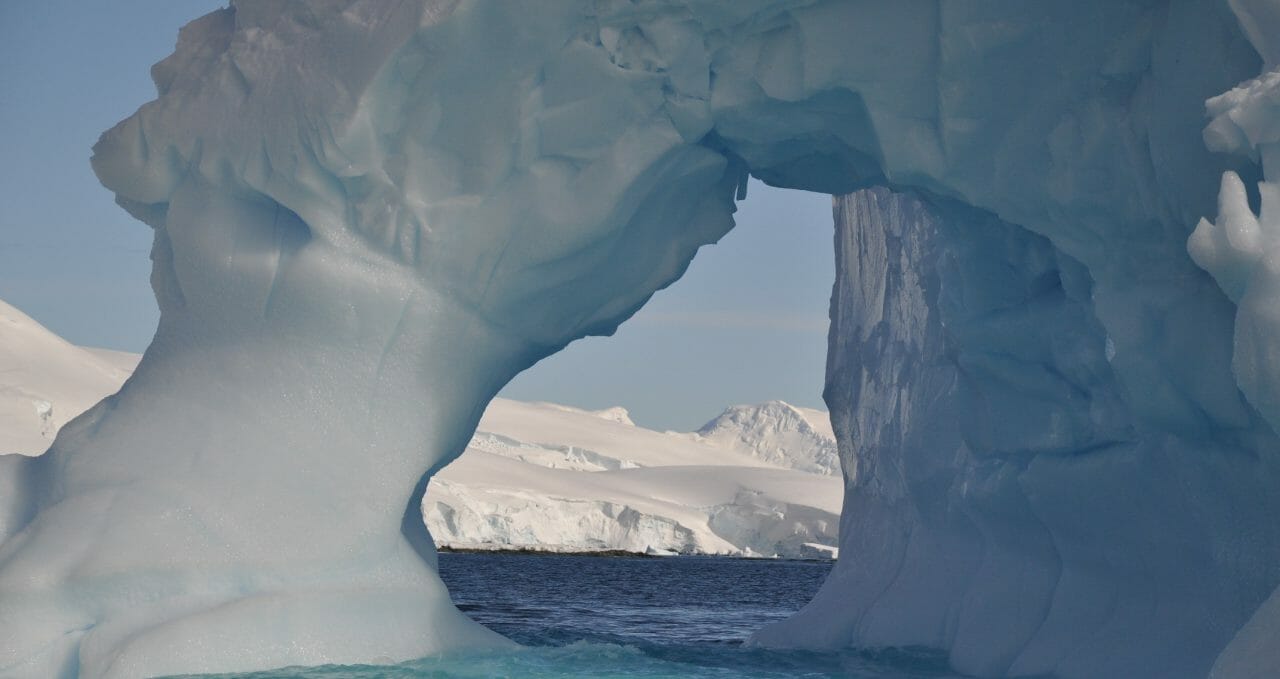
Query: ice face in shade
[370,216]
[1008,505]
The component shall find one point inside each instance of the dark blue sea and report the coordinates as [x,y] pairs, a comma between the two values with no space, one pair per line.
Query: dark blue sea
[581,616]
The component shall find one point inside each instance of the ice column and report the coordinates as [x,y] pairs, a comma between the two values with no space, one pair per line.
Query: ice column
[1242,251]
[358,241]
[1002,502]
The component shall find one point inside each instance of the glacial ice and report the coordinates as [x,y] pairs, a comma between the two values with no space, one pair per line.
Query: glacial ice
[550,477]
[1055,404]
[991,509]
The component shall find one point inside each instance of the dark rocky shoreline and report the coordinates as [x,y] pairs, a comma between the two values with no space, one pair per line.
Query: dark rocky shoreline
[606,553]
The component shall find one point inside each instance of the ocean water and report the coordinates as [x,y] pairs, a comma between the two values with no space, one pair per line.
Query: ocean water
[683,617]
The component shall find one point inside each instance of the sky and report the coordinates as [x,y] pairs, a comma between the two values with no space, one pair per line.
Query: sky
[746,324]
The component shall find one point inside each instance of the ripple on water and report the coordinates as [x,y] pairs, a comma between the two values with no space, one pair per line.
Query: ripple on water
[631,617]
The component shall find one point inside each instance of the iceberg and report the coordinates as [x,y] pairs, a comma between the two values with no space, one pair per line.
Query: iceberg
[1053,393]
[1009,506]
[538,476]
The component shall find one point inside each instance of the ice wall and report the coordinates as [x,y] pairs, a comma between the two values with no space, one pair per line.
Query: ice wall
[1003,501]
[1239,250]
[369,216]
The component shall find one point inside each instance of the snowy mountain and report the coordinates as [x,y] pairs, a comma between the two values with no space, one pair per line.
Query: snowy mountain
[535,475]
[547,476]
[778,433]
[46,381]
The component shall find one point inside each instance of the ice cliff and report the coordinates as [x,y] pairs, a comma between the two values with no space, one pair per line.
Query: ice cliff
[1003,499]
[1057,429]
[549,477]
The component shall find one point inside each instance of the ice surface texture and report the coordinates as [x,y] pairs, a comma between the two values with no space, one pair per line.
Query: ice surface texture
[370,215]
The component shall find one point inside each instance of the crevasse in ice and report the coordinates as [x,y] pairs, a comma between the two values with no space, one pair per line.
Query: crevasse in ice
[1057,431]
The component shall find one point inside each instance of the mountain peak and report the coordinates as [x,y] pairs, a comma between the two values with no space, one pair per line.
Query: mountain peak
[615,414]
[778,433]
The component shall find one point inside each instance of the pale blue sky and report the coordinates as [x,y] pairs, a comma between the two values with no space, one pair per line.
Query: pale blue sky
[747,323]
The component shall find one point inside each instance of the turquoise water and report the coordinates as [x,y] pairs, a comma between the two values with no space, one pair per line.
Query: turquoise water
[630,617]
[589,659]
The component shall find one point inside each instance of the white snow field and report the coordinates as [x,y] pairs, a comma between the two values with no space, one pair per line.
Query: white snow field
[548,477]
[46,381]
[1055,406]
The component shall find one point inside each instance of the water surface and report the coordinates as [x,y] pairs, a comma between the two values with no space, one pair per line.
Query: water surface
[681,617]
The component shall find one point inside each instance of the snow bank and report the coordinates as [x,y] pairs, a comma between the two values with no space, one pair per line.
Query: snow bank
[45,382]
[370,216]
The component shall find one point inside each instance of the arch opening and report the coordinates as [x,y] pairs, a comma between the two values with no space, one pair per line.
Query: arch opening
[715,384]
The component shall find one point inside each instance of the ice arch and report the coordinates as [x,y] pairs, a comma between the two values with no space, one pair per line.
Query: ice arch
[369,216]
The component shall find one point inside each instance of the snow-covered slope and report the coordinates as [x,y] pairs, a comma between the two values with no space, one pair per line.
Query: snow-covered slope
[535,475]
[46,381]
[778,433]
[546,476]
